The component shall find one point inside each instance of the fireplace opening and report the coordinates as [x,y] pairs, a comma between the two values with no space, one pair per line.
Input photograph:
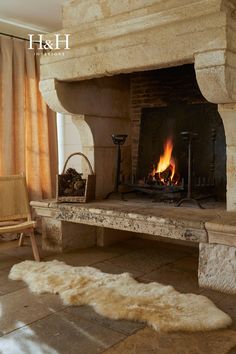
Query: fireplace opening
[173,114]
[163,149]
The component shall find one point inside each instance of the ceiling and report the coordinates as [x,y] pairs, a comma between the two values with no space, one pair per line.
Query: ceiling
[30,16]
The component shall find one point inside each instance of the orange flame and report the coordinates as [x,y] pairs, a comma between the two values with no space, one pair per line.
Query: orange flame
[166,160]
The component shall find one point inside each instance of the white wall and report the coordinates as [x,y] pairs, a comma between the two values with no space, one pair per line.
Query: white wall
[68,142]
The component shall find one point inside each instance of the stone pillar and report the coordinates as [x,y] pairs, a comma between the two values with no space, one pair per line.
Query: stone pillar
[95,134]
[216,75]
[217,267]
[228,115]
[59,235]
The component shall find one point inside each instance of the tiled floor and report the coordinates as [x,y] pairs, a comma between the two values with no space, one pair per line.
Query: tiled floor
[41,324]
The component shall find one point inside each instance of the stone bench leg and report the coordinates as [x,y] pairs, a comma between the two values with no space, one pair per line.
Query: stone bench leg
[59,235]
[217,267]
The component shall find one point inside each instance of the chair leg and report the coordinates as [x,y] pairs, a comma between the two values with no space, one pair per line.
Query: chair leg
[34,246]
[21,240]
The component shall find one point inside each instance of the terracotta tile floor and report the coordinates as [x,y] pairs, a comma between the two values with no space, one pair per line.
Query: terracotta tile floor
[33,324]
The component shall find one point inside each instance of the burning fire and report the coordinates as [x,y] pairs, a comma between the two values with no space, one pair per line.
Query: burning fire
[165,171]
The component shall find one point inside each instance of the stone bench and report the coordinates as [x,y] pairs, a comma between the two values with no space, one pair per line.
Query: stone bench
[66,226]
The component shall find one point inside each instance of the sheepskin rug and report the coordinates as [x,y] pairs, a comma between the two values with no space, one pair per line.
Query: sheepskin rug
[122,297]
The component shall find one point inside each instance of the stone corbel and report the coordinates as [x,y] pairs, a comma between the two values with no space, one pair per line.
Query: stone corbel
[49,89]
[216,75]
[216,68]
[103,97]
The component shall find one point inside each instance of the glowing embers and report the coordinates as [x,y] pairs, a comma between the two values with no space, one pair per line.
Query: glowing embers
[164,172]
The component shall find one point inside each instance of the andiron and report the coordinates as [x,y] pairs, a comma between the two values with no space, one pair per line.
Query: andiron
[118,140]
[189,137]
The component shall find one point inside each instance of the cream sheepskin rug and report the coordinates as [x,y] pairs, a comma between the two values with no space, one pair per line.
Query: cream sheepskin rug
[122,297]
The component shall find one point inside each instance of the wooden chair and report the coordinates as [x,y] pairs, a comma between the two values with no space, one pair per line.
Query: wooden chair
[15,216]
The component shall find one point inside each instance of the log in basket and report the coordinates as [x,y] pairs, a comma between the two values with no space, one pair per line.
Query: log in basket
[90,183]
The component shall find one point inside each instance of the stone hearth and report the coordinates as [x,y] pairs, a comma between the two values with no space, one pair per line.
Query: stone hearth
[109,40]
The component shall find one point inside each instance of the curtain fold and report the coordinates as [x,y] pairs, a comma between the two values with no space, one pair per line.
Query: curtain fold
[28,137]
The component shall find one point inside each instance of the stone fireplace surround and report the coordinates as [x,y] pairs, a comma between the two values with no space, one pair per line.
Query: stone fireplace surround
[110,38]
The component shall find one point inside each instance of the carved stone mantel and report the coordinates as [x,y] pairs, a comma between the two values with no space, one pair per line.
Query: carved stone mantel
[111,37]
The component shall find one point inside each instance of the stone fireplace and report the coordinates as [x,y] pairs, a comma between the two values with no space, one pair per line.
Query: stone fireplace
[107,39]
[132,60]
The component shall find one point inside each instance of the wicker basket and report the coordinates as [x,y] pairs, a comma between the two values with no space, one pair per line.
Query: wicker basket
[89,185]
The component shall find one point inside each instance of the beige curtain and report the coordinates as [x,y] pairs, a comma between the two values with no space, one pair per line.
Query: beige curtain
[28,139]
